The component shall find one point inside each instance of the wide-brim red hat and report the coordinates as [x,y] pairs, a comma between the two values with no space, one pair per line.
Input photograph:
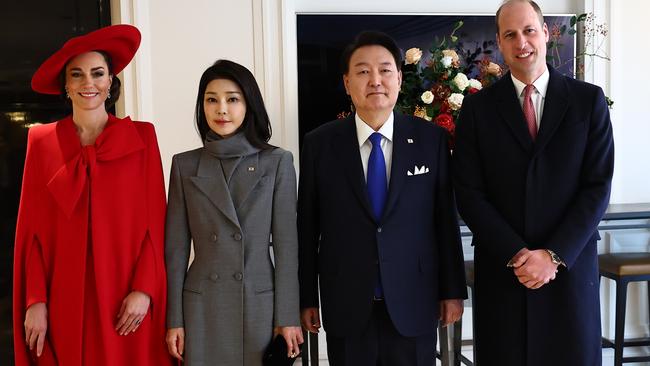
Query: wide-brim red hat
[119,41]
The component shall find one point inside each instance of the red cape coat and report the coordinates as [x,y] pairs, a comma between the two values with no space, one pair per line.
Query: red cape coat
[90,230]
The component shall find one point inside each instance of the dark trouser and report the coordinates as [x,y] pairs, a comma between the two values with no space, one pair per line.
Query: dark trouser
[381,344]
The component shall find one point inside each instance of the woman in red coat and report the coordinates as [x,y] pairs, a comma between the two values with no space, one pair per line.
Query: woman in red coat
[89,275]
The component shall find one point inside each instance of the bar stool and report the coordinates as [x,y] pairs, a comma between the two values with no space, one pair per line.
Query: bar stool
[624,268]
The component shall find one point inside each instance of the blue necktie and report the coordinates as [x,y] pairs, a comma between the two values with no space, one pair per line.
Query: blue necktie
[376,181]
[377,190]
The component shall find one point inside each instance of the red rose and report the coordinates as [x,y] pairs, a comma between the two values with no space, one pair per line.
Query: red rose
[473,90]
[446,121]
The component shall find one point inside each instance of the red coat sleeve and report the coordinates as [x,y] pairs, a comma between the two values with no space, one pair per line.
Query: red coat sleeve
[35,284]
[149,276]
[29,283]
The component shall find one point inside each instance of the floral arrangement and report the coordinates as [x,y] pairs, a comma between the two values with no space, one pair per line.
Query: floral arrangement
[434,89]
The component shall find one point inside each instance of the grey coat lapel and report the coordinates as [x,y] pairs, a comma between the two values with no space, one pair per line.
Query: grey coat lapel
[210,181]
[244,179]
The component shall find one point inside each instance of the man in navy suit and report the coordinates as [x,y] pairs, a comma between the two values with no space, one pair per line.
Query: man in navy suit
[377,222]
[533,165]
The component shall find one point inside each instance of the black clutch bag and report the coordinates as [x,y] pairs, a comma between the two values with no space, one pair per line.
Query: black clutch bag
[276,353]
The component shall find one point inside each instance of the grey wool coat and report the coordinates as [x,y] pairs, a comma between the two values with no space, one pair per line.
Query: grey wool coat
[231,200]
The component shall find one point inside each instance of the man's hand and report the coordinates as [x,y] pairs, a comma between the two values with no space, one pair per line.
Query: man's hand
[537,270]
[450,311]
[520,258]
[310,319]
[36,326]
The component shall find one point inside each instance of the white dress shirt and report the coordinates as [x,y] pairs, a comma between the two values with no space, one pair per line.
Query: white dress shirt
[537,97]
[365,145]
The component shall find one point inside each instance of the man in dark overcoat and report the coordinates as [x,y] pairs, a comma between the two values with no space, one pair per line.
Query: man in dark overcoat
[533,165]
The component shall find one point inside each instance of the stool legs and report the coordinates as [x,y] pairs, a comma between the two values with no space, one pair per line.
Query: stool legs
[443,338]
[619,330]
[458,332]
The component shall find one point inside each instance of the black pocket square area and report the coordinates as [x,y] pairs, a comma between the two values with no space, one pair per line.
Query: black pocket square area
[276,353]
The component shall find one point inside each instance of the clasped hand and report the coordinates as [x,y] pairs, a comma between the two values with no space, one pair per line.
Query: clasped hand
[534,268]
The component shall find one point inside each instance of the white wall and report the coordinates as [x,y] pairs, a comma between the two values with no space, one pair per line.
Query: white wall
[180,40]
[629,83]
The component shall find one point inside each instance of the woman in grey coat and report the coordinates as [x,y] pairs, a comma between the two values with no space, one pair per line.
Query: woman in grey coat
[232,198]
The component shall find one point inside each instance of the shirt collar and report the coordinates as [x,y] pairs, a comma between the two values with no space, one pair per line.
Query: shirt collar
[541,84]
[364,131]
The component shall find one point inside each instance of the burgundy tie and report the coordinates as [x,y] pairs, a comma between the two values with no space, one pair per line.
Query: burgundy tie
[529,111]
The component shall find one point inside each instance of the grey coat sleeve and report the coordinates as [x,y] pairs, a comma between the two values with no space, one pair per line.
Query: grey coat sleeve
[177,247]
[285,244]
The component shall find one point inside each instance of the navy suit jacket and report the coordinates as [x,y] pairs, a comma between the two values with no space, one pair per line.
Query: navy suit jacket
[550,193]
[416,243]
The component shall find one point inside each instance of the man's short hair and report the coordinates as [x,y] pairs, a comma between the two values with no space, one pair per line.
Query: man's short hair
[536,7]
[370,38]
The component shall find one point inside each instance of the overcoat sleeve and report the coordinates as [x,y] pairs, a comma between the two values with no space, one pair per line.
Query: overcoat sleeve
[177,246]
[482,218]
[451,279]
[583,215]
[285,244]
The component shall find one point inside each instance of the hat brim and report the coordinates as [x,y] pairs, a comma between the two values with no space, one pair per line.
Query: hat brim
[119,41]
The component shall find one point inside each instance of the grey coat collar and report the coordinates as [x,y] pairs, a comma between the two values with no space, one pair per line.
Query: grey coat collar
[232,147]
[211,175]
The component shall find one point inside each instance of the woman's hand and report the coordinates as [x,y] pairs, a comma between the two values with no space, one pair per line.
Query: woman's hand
[293,337]
[134,308]
[36,326]
[176,342]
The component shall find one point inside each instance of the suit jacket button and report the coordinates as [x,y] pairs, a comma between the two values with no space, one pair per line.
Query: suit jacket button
[237,236]
[238,276]
[214,277]
[378,229]
[213,237]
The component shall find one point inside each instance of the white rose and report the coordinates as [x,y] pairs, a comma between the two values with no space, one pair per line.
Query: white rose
[412,56]
[452,54]
[427,97]
[455,101]
[460,80]
[473,83]
[446,61]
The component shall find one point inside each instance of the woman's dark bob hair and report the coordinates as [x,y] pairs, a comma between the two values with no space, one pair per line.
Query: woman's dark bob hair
[256,124]
[115,84]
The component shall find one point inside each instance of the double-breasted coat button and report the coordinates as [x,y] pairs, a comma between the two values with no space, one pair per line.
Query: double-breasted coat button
[238,276]
[214,277]
[237,236]
[213,237]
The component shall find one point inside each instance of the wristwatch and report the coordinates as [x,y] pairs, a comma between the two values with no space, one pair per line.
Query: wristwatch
[555,258]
